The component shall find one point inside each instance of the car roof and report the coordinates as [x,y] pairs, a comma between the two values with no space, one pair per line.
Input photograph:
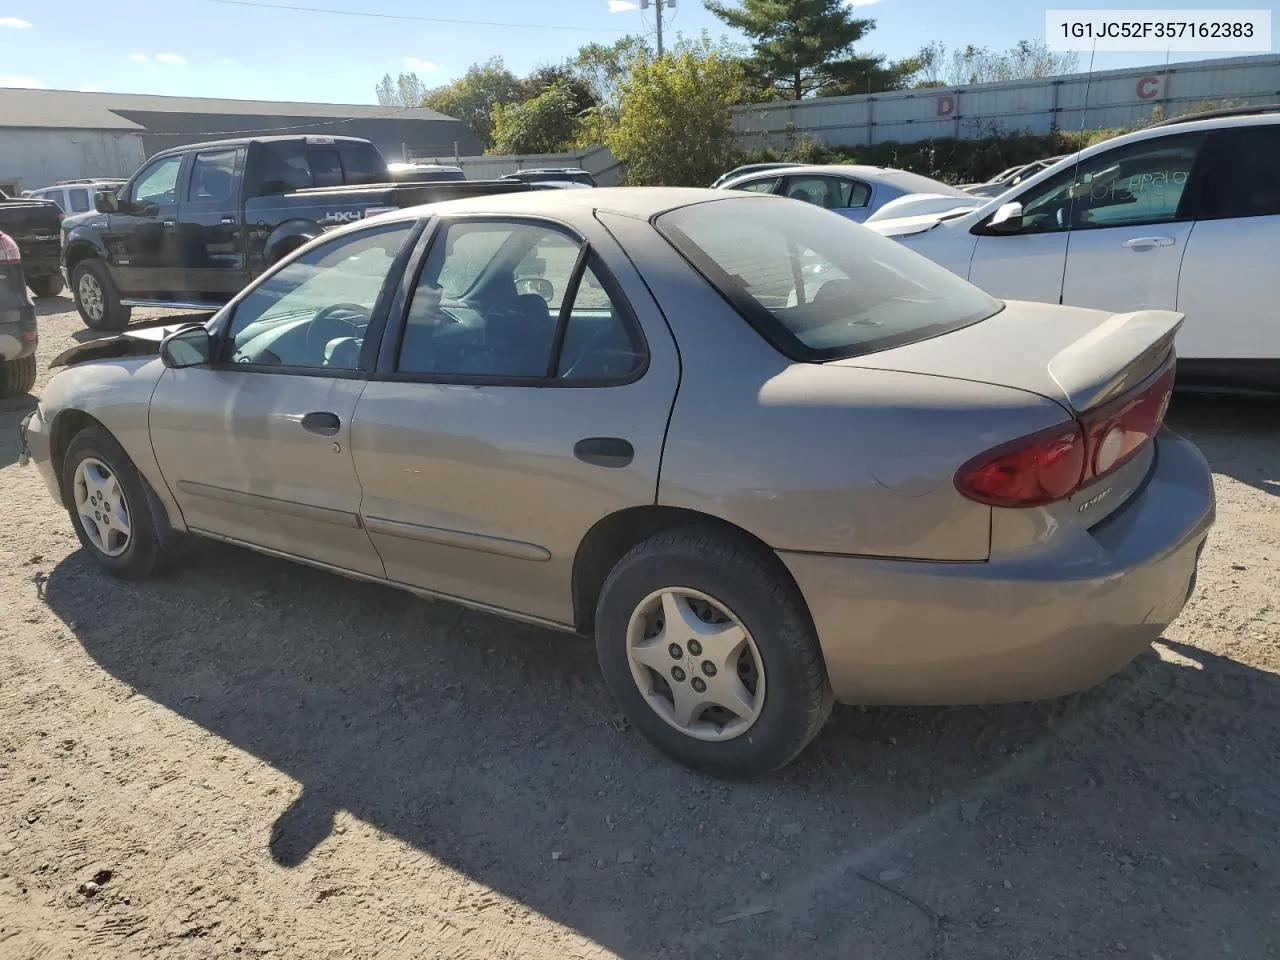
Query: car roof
[242,141]
[914,182]
[641,203]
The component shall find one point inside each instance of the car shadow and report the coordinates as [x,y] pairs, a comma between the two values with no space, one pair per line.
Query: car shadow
[48,306]
[1234,432]
[495,748]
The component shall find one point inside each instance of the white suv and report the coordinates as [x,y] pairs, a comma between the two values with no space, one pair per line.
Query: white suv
[1181,216]
[73,196]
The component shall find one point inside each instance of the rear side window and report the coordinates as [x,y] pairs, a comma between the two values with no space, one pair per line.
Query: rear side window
[1242,178]
[79,200]
[362,163]
[815,285]
[213,176]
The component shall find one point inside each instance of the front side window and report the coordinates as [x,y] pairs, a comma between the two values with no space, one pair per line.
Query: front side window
[1140,183]
[830,193]
[820,287]
[158,183]
[313,312]
[492,297]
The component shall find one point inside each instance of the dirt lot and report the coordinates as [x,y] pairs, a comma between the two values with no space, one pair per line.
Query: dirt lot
[254,758]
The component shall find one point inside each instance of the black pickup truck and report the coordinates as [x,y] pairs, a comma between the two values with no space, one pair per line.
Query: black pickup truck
[33,226]
[197,223]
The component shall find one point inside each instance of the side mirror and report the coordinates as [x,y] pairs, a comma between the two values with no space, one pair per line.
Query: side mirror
[188,347]
[106,201]
[1008,219]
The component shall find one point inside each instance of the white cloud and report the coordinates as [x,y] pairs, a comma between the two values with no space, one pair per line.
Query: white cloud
[29,83]
[622,6]
[13,23]
[420,66]
[92,89]
[173,59]
[139,58]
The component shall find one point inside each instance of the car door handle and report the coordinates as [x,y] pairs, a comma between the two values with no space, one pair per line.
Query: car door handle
[171,223]
[325,424]
[1146,243]
[229,221]
[605,451]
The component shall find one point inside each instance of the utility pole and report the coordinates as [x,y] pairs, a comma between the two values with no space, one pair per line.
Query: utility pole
[657,15]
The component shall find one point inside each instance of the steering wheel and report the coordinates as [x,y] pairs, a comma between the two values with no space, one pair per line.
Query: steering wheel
[327,325]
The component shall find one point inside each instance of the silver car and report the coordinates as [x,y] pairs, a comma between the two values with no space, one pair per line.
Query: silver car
[851,190]
[636,414]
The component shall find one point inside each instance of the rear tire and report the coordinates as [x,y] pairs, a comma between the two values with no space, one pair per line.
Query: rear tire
[118,519]
[97,298]
[46,286]
[733,589]
[17,376]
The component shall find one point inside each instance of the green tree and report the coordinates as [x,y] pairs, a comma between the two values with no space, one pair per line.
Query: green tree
[472,97]
[548,123]
[603,67]
[804,48]
[406,90]
[675,123]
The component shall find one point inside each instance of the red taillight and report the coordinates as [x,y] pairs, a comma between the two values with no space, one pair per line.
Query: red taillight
[1117,430]
[9,252]
[1053,464]
[1030,471]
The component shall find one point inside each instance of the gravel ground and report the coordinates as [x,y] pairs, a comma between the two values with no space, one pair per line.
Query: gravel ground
[251,757]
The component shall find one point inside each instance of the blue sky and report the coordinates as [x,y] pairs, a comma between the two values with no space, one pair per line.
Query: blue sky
[208,48]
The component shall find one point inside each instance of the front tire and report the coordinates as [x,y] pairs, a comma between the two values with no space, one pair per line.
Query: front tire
[97,298]
[17,376]
[710,653]
[46,286]
[117,518]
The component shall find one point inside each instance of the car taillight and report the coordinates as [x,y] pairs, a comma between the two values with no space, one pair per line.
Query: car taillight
[9,252]
[1053,464]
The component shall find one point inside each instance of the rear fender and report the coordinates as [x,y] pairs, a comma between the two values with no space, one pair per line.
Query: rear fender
[288,237]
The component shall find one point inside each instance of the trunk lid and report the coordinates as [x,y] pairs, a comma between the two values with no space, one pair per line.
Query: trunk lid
[1078,358]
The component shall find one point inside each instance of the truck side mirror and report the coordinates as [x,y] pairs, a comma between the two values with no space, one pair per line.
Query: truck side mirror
[106,201]
[188,347]
[1008,219]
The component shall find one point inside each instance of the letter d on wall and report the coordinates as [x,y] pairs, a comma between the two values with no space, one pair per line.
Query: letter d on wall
[946,106]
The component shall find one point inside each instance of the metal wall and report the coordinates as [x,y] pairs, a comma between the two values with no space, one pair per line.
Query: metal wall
[31,159]
[1114,98]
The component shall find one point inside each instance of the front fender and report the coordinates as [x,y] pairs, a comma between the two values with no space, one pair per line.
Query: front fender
[83,241]
[117,395]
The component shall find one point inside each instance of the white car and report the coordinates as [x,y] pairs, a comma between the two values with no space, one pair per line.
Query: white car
[851,190]
[1180,216]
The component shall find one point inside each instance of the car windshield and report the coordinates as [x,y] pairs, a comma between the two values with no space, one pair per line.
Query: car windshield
[816,285]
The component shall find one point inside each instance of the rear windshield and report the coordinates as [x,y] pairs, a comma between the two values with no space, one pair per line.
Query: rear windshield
[282,166]
[816,285]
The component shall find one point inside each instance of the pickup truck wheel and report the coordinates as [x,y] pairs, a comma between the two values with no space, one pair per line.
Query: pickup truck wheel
[17,376]
[47,286]
[97,298]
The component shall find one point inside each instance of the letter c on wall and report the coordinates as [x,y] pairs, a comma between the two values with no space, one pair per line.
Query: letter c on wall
[1148,88]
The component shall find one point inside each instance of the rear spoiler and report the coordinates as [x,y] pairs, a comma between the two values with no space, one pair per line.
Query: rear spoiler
[1086,370]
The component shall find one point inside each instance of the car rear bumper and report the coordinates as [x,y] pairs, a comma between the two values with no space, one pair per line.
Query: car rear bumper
[18,336]
[1025,628]
[41,258]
